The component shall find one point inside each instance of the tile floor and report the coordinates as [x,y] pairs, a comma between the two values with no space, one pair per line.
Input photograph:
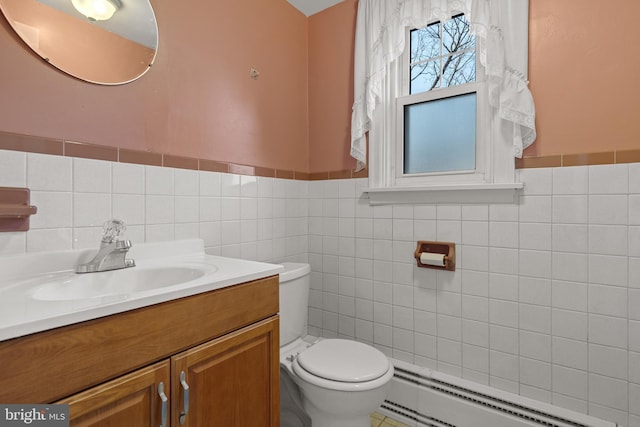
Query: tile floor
[378,420]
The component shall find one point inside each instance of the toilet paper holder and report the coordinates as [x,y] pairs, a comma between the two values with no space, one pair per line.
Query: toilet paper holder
[438,255]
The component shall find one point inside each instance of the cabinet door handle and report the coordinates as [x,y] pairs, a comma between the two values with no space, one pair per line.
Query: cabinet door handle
[185,405]
[164,399]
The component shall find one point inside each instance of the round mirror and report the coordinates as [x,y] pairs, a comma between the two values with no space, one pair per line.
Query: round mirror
[100,41]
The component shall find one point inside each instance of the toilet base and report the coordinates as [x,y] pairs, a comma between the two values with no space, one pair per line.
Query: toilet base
[331,408]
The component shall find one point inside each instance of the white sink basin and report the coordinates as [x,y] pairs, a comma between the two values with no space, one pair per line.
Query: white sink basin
[41,291]
[116,282]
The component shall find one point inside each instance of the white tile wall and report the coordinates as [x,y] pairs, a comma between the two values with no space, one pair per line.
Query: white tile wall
[545,300]
[235,215]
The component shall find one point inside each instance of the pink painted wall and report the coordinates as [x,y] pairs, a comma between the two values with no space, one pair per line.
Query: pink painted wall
[331,39]
[582,69]
[197,100]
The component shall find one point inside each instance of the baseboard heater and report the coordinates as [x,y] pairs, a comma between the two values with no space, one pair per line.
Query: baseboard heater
[445,401]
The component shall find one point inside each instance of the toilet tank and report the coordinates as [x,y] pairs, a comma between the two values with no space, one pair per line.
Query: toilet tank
[294,301]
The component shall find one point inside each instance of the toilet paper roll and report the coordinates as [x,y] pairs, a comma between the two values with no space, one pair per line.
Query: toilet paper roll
[432,259]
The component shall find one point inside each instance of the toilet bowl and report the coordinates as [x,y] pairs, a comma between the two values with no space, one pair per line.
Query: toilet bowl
[341,381]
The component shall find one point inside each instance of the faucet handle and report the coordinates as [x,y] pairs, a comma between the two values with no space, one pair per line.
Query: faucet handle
[111,229]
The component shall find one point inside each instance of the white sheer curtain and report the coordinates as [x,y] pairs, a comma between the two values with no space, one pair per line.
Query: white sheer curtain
[501,30]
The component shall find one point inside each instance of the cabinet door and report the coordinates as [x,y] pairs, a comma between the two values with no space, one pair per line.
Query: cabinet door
[233,380]
[130,400]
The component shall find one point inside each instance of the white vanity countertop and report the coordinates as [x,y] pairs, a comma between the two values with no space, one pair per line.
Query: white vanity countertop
[28,306]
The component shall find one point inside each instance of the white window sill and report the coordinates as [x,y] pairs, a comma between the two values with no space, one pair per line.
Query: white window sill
[454,193]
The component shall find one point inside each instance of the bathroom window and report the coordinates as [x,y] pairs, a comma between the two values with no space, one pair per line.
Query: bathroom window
[439,111]
[437,114]
[442,105]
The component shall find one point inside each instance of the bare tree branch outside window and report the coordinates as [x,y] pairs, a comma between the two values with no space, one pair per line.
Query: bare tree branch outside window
[442,55]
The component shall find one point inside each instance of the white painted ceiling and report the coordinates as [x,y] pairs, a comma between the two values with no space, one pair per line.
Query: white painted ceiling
[309,7]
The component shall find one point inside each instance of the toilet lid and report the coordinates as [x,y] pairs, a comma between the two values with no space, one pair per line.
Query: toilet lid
[344,360]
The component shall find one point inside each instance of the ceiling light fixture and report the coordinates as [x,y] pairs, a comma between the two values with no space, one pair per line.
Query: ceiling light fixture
[97,10]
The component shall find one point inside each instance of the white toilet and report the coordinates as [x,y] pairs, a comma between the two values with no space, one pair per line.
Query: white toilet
[341,381]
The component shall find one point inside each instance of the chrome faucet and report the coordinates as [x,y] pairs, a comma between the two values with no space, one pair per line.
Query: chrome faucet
[112,252]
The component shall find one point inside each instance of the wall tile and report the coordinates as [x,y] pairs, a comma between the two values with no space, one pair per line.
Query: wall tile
[504,339]
[608,392]
[475,282]
[503,286]
[475,358]
[503,234]
[570,267]
[570,382]
[608,361]
[535,346]
[535,263]
[608,331]
[50,239]
[13,165]
[570,209]
[55,210]
[535,209]
[186,182]
[503,260]
[570,324]
[608,270]
[534,290]
[571,180]
[504,365]
[535,318]
[91,176]
[158,180]
[86,237]
[537,180]
[503,313]
[475,212]
[570,295]
[609,179]
[570,238]
[535,236]
[49,173]
[535,373]
[12,243]
[128,178]
[608,209]
[503,212]
[475,233]
[608,300]
[608,239]
[475,333]
[159,210]
[91,209]
[570,403]
[570,353]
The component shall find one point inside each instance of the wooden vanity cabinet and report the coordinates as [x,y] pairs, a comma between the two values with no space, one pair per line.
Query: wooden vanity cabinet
[230,380]
[131,400]
[226,342]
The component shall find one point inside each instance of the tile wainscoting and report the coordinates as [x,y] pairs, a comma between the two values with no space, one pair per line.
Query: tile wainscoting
[545,300]
[241,216]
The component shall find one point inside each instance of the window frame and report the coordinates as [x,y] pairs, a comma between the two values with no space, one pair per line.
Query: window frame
[495,164]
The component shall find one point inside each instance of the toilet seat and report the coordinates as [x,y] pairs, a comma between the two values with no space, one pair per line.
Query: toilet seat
[344,360]
[344,365]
